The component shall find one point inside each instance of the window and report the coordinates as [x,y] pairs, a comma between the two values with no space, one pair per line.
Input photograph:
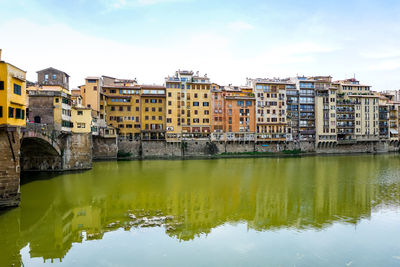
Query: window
[1,112]
[57,100]
[95,88]
[17,89]
[23,114]
[80,112]
[46,77]
[81,125]
[18,113]
[205,104]
[54,77]
[1,85]
[195,104]
[10,112]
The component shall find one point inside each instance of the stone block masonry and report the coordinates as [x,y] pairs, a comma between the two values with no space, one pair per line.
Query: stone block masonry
[77,154]
[104,148]
[204,148]
[9,167]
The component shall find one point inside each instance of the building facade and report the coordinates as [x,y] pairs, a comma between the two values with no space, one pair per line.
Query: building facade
[12,95]
[188,106]
[270,96]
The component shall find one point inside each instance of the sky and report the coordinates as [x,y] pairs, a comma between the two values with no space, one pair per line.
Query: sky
[228,40]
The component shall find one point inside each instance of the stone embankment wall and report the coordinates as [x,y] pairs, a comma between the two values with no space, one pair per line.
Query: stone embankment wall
[77,154]
[9,167]
[205,148]
[104,148]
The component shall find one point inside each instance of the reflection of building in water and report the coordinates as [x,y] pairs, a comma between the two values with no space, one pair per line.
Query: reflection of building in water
[266,194]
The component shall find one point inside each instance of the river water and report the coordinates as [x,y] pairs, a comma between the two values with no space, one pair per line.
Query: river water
[301,211]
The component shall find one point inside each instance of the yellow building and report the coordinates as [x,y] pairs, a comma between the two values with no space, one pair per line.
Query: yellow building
[152,106]
[81,116]
[91,94]
[188,106]
[122,103]
[12,95]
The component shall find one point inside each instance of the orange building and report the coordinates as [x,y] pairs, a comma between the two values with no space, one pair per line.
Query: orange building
[239,110]
[217,107]
[233,113]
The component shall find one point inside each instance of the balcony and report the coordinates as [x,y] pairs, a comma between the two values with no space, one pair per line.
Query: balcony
[345,117]
[345,110]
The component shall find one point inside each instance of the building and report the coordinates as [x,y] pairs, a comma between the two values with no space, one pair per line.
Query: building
[91,93]
[12,95]
[239,118]
[50,100]
[152,106]
[325,111]
[217,107]
[292,112]
[188,106]
[93,97]
[270,95]
[122,106]
[359,101]
[383,117]
[81,116]
[306,86]
[51,79]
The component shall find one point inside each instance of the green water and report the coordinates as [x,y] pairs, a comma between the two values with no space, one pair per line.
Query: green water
[310,211]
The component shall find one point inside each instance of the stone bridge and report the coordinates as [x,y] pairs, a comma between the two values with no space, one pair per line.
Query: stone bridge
[38,147]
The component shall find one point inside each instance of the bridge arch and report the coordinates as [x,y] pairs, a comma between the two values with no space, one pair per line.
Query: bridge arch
[40,152]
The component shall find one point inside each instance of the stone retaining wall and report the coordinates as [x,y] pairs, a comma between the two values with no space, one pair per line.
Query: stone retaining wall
[205,148]
[104,148]
[9,167]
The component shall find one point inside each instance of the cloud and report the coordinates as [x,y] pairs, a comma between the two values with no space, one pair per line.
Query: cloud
[240,26]
[82,55]
[391,64]
[121,4]
[381,53]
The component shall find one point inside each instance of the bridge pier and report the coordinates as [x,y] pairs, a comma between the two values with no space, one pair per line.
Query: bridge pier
[77,153]
[9,166]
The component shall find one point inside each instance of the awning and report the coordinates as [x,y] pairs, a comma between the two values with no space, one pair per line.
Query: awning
[394,132]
